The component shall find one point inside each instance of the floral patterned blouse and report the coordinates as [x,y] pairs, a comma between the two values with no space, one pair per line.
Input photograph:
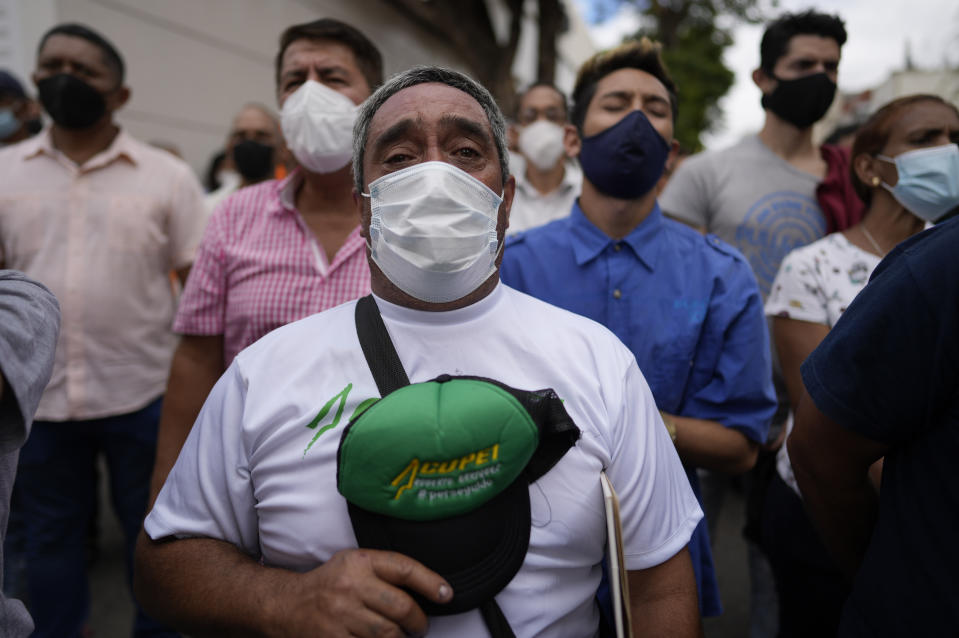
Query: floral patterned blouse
[817,282]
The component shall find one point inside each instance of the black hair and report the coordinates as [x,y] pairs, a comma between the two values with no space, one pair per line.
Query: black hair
[210,180]
[368,57]
[546,85]
[776,38]
[840,132]
[641,54]
[111,56]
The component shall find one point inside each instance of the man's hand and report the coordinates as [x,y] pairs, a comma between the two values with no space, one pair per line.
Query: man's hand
[207,587]
[358,593]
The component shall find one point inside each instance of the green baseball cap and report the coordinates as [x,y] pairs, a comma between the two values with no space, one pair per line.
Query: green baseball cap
[440,471]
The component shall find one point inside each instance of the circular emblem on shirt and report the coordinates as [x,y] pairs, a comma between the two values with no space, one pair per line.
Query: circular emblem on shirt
[776,224]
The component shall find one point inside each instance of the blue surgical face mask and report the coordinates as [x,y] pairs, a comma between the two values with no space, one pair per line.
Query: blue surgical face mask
[627,159]
[928,185]
[9,124]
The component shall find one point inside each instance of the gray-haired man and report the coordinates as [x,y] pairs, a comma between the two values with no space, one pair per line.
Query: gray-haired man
[250,535]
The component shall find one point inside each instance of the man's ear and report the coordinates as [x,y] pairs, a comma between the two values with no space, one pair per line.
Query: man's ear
[761,79]
[117,99]
[671,157]
[364,212]
[571,141]
[512,137]
[509,189]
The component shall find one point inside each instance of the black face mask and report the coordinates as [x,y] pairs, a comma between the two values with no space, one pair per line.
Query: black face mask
[801,102]
[71,102]
[254,161]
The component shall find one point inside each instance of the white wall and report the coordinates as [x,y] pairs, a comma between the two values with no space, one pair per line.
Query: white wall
[191,64]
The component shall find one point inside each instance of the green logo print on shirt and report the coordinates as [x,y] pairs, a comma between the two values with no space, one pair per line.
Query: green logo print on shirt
[340,400]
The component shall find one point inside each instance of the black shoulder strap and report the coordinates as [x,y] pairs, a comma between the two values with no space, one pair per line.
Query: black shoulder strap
[389,374]
[378,348]
[495,620]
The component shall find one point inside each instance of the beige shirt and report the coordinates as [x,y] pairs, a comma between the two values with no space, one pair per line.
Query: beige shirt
[103,237]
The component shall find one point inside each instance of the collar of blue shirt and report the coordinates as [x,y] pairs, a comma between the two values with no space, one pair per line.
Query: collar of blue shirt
[589,241]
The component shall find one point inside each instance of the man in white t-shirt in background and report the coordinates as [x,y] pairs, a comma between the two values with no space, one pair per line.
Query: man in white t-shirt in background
[548,181]
[250,534]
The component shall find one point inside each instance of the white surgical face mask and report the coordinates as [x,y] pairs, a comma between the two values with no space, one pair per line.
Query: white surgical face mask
[928,185]
[228,179]
[542,143]
[317,123]
[433,230]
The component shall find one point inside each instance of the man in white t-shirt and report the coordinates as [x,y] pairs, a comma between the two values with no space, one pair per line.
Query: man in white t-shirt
[250,535]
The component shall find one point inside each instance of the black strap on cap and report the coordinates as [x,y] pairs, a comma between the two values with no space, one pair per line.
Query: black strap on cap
[389,375]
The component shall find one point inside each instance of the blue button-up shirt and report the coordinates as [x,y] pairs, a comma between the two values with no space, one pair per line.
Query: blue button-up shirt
[686,305]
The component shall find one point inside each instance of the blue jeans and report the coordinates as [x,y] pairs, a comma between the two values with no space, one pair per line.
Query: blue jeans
[57,491]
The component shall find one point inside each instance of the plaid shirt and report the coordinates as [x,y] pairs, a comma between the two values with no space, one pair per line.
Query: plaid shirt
[259,267]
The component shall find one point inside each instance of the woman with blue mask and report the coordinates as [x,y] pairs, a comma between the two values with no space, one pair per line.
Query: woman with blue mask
[905,167]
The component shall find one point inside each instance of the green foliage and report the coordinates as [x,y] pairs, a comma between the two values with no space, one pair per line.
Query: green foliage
[695,63]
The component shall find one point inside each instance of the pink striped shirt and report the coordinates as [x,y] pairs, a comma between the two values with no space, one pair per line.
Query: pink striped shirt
[259,267]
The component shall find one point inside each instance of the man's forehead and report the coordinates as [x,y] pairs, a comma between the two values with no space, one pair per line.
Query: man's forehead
[252,117]
[428,104]
[61,44]
[812,45]
[632,80]
[541,95]
[309,51]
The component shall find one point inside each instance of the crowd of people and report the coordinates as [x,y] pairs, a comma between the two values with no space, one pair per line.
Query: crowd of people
[368,383]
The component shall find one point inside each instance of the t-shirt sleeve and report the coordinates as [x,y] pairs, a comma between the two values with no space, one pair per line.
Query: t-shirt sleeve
[658,508]
[796,292]
[29,325]
[737,390]
[887,369]
[202,308]
[187,216]
[208,493]
[686,195]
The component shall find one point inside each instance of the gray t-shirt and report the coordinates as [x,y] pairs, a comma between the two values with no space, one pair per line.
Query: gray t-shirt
[29,325]
[751,198]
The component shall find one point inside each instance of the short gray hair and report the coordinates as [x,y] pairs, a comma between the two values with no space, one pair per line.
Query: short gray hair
[424,75]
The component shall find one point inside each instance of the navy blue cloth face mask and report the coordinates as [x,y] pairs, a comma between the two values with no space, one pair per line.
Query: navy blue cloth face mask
[627,159]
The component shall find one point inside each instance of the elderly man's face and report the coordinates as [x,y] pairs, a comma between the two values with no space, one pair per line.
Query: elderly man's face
[252,123]
[434,122]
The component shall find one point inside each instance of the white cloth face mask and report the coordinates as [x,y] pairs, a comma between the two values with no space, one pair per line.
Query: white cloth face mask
[542,143]
[433,230]
[317,123]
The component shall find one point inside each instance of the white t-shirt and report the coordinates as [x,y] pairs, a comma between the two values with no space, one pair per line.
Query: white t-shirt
[255,473]
[816,283]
